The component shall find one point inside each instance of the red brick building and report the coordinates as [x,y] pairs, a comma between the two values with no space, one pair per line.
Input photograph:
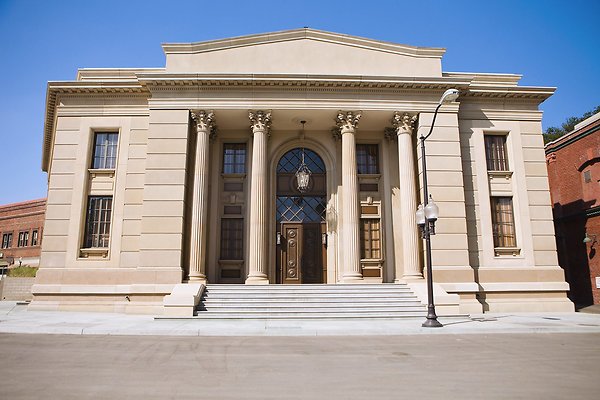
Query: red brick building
[574,175]
[21,226]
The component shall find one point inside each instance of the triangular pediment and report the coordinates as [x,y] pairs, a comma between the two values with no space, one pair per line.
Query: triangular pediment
[303,51]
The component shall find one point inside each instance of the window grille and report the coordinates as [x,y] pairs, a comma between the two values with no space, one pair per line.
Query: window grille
[495,153]
[503,224]
[97,226]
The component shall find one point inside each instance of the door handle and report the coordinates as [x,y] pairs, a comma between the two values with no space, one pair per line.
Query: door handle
[278,238]
[324,239]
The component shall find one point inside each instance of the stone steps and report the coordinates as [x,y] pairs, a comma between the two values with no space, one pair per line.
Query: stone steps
[309,301]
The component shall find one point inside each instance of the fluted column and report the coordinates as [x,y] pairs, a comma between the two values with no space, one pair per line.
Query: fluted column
[347,122]
[404,125]
[257,258]
[204,129]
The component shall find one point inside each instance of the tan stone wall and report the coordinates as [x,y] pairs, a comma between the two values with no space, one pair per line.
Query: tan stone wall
[532,273]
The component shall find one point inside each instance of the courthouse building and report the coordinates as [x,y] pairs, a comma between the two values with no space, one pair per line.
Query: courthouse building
[291,157]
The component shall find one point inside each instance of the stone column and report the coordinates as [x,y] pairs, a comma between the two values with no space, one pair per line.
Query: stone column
[204,130]
[404,125]
[257,258]
[347,122]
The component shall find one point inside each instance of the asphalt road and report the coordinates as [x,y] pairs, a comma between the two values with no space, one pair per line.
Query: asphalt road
[496,366]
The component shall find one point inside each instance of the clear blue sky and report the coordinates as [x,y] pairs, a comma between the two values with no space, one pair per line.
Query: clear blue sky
[551,43]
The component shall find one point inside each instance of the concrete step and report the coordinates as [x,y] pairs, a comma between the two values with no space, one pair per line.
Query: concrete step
[321,315]
[309,302]
[306,301]
[310,307]
[349,296]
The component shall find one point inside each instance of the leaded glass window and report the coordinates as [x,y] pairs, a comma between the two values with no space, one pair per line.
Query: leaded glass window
[293,206]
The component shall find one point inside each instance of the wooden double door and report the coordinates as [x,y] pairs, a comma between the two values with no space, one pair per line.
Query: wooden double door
[302,255]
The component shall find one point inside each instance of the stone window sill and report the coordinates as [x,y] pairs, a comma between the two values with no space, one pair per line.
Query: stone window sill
[506,251]
[500,174]
[101,172]
[93,252]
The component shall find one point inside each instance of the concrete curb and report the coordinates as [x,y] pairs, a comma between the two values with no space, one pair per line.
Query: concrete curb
[16,318]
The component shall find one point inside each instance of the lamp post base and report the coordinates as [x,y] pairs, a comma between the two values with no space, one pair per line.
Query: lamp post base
[432,323]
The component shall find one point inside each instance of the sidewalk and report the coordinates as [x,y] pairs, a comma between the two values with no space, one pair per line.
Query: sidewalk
[15,318]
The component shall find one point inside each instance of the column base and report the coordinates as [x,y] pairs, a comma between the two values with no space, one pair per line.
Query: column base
[409,277]
[354,278]
[257,280]
[198,279]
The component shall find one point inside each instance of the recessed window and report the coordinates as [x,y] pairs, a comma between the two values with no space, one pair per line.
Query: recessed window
[495,152]
[105,150]
[370,238]
[34,237]
[234,158]
[23,239]
[232,239]
[367,158]
[587,176]
[503,224]
[7,240]
[97,222]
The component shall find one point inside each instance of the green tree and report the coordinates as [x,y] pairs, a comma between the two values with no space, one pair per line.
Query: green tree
[554,132]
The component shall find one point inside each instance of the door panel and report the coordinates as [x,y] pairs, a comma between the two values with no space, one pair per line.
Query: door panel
[302,253]
[292,253]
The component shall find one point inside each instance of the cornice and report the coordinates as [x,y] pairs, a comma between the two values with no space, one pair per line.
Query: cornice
[150,81]
[155,81]
[516,92]
[297,34]
[55,89]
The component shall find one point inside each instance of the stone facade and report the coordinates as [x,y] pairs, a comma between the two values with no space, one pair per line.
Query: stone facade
[202,184]
[574,175]
[21,228]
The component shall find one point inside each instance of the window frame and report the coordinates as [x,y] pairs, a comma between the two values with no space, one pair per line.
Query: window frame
[94,237]
[106,147]
[228,250]
[23,239]
[237,167]
[367,168]
[502,237]
[496,158]
[34,237]
[367,249]
[7,240]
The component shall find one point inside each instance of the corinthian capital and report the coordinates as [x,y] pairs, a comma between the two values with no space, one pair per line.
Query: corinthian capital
[404,122]
[205,121]
[347,121]
[260,120]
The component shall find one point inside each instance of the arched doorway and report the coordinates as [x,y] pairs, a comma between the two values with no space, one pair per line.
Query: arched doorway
[301,228]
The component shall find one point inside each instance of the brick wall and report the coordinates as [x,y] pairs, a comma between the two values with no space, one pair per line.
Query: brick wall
[574,176]
[22,217]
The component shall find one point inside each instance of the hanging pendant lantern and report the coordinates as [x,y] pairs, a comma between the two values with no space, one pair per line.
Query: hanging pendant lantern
[303,176]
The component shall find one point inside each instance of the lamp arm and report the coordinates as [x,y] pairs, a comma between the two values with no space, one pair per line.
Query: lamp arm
[433,121]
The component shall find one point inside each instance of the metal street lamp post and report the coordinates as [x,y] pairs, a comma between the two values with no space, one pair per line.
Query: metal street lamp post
[427,214]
